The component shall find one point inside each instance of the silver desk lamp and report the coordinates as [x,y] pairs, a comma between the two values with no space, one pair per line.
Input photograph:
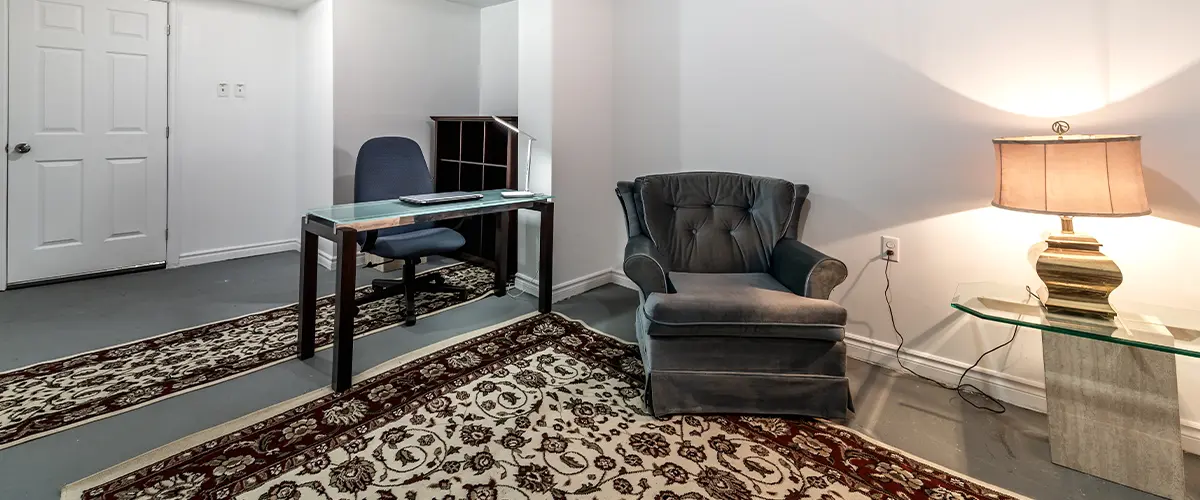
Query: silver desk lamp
[528,161]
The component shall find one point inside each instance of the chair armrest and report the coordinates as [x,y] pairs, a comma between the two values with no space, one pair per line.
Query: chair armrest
[805,271]
[368,241]
[646,266]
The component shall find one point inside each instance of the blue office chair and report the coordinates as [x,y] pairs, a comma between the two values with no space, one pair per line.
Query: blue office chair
[387,168]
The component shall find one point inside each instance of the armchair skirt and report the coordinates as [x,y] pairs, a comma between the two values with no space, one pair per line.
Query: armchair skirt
[711,348]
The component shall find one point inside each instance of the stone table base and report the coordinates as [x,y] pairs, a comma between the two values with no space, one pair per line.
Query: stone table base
[1114,412]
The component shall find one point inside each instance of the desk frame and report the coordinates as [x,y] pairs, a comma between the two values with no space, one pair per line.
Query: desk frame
[344,237]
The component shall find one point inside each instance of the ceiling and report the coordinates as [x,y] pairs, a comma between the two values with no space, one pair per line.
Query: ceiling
[481,3]
[283,4]
[299,4]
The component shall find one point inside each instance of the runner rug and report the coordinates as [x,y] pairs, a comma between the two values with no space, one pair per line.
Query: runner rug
[541,407]
[54,396]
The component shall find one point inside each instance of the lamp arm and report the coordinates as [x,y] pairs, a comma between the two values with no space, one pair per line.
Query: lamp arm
[528,150]
[528,163]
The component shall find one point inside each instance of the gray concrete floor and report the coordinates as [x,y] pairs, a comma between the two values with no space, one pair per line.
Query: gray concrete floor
[37,324]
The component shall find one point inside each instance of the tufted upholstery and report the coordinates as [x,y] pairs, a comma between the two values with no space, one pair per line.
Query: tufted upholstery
[706,222]
[735,316]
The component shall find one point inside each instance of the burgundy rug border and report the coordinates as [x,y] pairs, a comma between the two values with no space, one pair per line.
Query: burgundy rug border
[738,425]
[31,426]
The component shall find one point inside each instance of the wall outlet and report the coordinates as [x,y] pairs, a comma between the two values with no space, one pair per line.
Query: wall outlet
[889,243]
[222,89]
[239,90]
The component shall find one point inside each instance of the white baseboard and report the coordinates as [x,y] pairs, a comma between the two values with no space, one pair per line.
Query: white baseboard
[619,279]
[328,261]
[1008,388]
[569,289]
[237,252]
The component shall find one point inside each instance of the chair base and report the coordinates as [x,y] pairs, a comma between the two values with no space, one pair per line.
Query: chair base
[408,286]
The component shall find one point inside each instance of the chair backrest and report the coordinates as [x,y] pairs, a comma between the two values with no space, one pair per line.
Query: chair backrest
[388,168]
[713,222]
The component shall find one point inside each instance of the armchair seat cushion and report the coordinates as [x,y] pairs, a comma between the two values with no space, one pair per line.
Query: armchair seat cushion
[418,243]
[741,305]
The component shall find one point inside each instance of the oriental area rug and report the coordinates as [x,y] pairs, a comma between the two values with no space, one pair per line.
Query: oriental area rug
[540,407]
[53,396]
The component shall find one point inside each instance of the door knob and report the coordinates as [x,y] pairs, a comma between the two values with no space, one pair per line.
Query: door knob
[22,148]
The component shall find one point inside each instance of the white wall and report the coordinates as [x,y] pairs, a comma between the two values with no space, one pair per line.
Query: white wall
[583,137]
[565,100]
[314,104]
[535,100]
[237,156]
[498,59]
[886,109]
[396,63]
[646,132]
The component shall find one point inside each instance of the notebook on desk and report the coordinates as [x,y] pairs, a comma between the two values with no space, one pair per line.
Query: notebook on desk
[435,198]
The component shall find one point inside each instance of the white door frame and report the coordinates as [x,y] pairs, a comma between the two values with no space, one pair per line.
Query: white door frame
[4,134]
[173,177]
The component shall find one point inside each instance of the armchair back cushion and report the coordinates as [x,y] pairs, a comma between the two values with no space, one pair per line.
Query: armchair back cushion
[711,222]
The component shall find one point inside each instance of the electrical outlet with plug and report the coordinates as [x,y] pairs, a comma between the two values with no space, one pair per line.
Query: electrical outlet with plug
[889,249]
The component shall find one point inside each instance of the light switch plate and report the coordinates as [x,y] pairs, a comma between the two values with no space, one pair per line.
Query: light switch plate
[222,89]
[239,90]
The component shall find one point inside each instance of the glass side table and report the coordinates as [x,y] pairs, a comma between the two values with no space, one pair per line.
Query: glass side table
[1112,397]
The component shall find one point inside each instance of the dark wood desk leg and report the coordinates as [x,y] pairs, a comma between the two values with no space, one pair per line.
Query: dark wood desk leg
[546,259]
[308,292]
[344,309]
[503,223]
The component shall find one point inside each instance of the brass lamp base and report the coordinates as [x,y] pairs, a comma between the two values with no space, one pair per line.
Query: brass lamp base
[1078,277]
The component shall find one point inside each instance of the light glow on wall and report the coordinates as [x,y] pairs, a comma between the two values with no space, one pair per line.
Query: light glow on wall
[1030,57]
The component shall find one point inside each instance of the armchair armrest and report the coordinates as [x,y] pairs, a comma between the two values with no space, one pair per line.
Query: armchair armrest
[646,266]
[806,271]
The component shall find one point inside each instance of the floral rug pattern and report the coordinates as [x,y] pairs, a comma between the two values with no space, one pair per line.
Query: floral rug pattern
[540,408]
[49,397]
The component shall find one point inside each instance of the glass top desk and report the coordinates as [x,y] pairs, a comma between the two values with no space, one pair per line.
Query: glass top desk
[341,224]
[1112,397]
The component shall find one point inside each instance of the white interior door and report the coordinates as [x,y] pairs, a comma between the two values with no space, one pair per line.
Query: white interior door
[88,100]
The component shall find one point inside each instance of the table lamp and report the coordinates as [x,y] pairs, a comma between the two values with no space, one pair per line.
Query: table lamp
[1070,176]
[528,161]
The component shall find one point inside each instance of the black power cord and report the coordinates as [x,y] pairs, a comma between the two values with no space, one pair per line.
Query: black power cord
[965,391]
[378,264]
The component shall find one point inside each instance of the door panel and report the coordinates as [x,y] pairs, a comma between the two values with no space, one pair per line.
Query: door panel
[60,90]
[87,93]
[129,198]
[60,207]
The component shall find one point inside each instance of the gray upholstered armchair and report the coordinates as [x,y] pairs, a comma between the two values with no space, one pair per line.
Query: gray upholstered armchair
[735,316]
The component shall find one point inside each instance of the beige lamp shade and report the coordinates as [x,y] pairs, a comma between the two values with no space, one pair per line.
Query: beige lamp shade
[1090,175]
